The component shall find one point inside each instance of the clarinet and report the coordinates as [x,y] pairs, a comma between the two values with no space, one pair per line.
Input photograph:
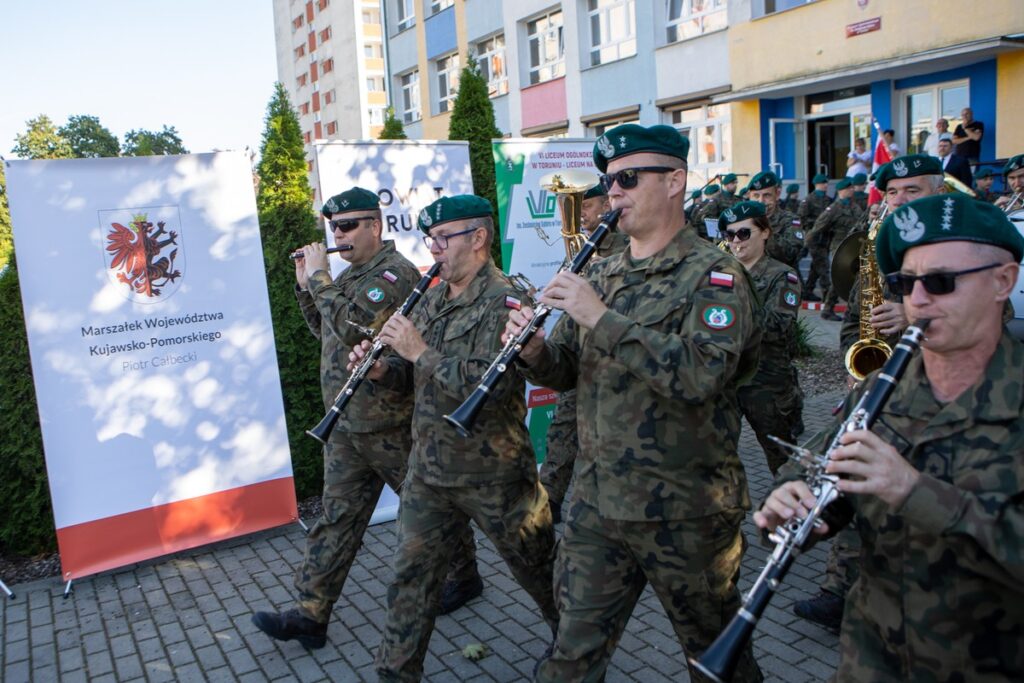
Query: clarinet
[322,431]
[720,660]
[465,415]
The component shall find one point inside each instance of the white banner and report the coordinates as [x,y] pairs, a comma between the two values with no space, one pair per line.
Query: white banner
[407,175]
[152,353]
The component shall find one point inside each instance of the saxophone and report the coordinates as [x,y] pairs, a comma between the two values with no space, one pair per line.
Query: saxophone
[869,352]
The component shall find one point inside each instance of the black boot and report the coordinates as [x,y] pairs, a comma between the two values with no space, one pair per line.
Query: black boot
[825,608]
[291,625]
[455,595]
[556,510]
[830,314]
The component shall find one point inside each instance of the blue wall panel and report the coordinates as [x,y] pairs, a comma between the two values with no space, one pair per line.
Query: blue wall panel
[440,32]
[785,140]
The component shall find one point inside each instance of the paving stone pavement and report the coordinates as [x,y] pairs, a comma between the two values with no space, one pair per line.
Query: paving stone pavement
[187,617]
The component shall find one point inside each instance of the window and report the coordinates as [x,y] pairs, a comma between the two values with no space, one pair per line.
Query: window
[375,84]
[710,133]
[322,4]
[921,109]
[304,108]
[329,97]
[301,80]
[406,14]
[325,35]
[690,18]
[328,65]
[332,127]
[491,56]
[612,30]
[410,86]
[300,51]
[297,23]
[447,81]
[438,5]
[376,116]
[371,16]
[373,50]
[761,8]
[599,129]
[547,50]
[307,137]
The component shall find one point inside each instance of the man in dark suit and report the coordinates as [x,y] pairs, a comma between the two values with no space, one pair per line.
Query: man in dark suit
[954,165]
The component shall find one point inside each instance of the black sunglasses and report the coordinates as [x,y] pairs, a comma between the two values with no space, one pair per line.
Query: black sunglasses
[934,283]
[743,234]
[348,224]
[627,178]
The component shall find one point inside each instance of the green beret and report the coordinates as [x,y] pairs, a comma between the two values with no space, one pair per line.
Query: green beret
[1013,164]
[744,191]
[860,179]
[819,179]
[448,209]
[596,191]
[909,166]
[631,138]
[943,218]
[740,212]
[764,180]
[792,188]
[695,194]
[711,189]
[729,178]
[843,184]
[983,172]
[356,199]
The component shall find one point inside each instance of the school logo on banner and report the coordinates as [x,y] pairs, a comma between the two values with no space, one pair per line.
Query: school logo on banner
[142,251]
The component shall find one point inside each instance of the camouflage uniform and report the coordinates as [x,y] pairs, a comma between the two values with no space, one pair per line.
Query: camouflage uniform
[787,239]
[490,477]
[660,490]
[810,208]
[714,207]
[861,200]
[771,402]
[791,203]
[838,220]
[370,443]
[562,441]
[939,597]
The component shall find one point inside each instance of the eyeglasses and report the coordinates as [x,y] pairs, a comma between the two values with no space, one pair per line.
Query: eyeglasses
[743,234]
[627,178]
[442,240]
[934,283]
[348,224]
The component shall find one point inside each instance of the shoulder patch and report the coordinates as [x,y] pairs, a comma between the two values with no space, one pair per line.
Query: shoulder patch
[796,221]
[718,317]
[790,297]
[375,294]
[512,302]
[721,279]
[389,276]
[792,277]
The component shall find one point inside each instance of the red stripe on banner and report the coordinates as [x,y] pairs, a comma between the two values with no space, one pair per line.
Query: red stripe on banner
[541,397]
[131,537]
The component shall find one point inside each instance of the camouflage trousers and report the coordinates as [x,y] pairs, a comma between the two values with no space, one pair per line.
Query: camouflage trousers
[603,566]
[772,411]
[843,565]
[819,270]
[356,467]
[515,516]
[563,444]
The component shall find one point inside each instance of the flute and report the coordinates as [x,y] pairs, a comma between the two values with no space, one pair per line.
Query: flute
[295,255]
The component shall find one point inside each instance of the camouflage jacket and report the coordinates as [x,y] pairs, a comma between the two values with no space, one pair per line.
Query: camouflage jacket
[778,288]
[464,336]
[941,590]
[657,380]
[787,240]
[714,207]
[612,244]
[791,203]
[366,295]
[861,200]
[838,220]
[811,207]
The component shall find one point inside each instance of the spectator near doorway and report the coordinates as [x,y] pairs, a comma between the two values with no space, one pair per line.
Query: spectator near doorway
[931,144]
[954,164]
[859,160]
[967,136]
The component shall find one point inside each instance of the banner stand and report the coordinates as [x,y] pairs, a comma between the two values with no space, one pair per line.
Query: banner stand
[5,589]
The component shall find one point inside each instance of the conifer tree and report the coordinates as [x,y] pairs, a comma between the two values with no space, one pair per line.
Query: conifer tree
[287,222]
[473,120]
[393,128]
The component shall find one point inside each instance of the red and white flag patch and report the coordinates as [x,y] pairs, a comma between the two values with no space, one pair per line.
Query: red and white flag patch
[512,302]
[389,276]
[722,279]
[792,277]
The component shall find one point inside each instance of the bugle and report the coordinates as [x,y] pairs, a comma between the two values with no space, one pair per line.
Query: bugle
[465,415]
[322,432]
[720,660]
[297,254]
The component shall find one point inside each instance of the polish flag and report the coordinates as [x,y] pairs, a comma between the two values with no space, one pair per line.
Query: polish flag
[882,157]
